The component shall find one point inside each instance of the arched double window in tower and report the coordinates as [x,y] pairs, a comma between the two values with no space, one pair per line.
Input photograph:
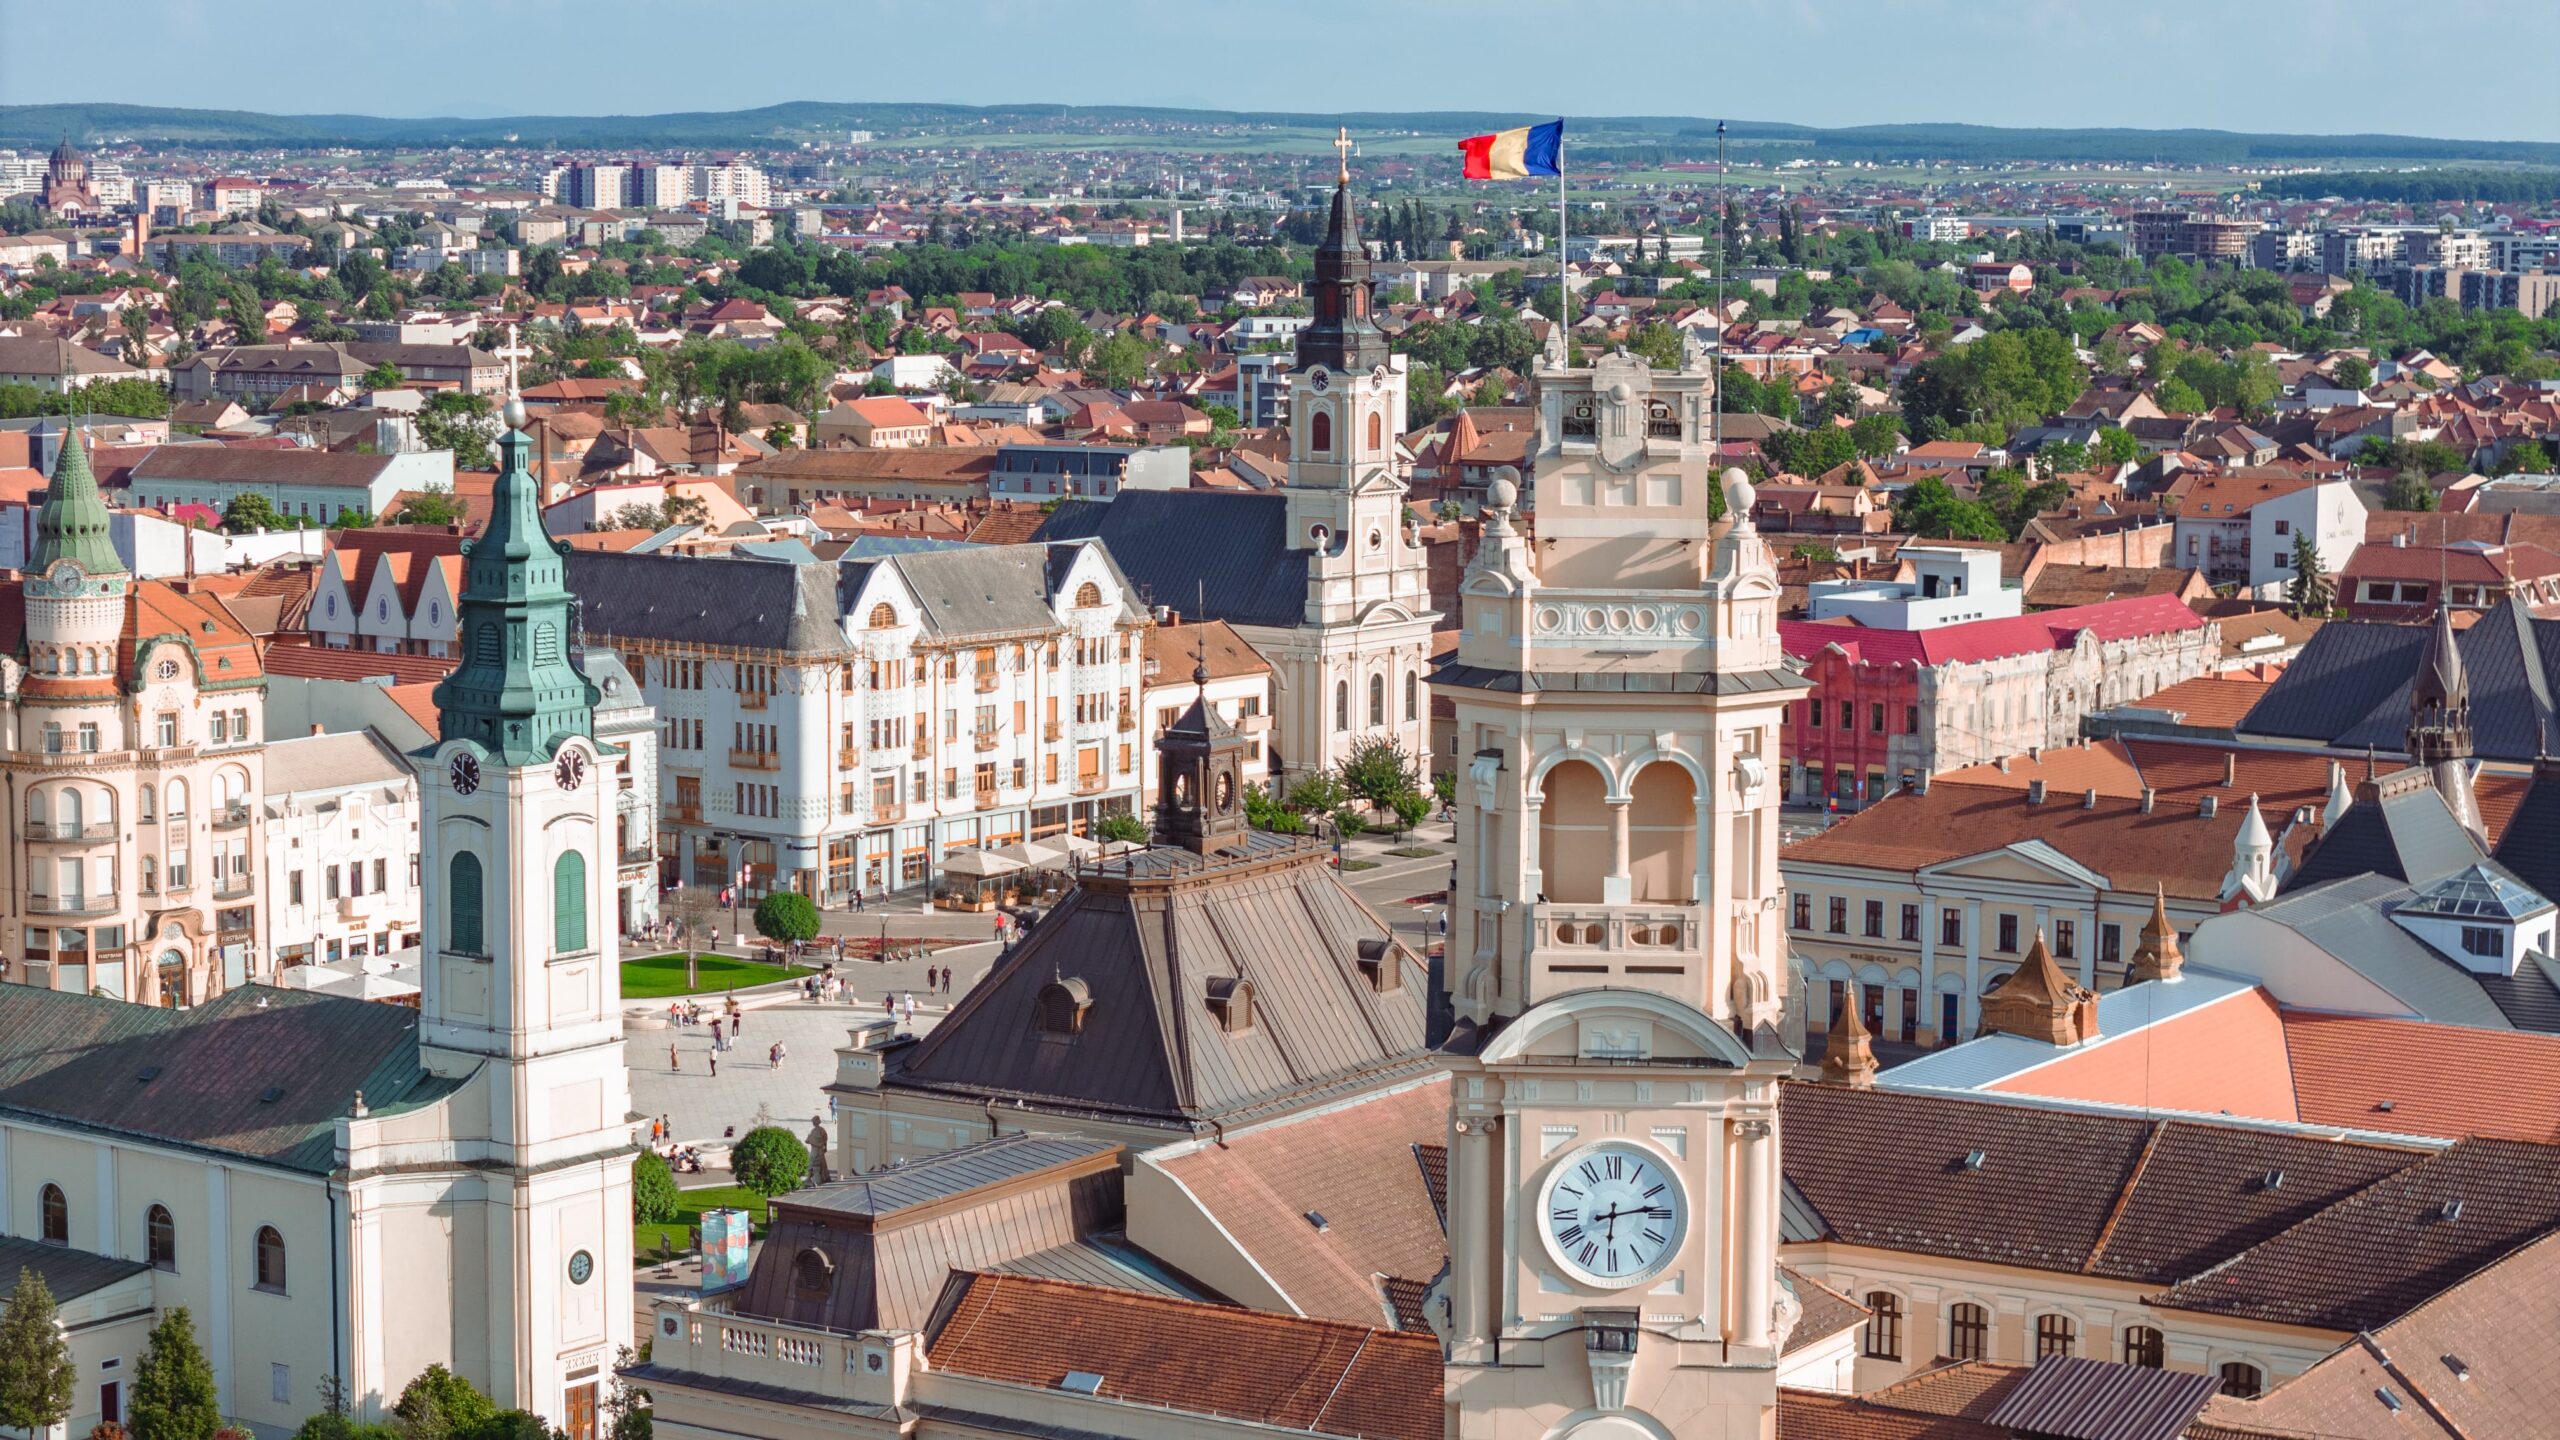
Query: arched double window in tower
[1320,432]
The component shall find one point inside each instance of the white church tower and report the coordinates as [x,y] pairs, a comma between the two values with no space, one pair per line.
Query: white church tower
[522,989]
[1616,954]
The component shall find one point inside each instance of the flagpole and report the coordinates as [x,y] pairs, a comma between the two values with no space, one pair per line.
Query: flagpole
[1715,423]
[1564,272]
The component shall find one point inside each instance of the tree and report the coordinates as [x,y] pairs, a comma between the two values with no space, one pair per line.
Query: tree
[2309,591]
[250,512]
[435,505]
[2351,373]
[1121,827]
[654,1197]
[1377,770]
[1411,807]
[173,1395]
[460,423]
[439,1404]
[769,1160]
[2116,447]
[1875,436]
[786,916]
[385,376]
[1931,510]
[351,519]
[2179,398]
[626,1408]
[2408,490]
[37,1376]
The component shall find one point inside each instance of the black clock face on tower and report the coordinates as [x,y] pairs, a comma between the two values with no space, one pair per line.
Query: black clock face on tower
[465,773]
[570,769]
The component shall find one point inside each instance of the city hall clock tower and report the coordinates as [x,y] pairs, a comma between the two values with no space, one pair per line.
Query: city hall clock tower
[1615,960]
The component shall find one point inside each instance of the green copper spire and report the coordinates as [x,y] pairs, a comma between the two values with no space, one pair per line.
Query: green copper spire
[515,692]
[73,524]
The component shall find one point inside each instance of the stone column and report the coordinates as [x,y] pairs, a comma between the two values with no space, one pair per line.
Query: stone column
[1755,1251]
[1929,969]
[2087,942]
[1469,1274]
[1972,1007]
[1618,887]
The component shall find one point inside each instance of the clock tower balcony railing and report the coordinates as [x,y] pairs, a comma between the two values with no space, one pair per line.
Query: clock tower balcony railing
[1590,939]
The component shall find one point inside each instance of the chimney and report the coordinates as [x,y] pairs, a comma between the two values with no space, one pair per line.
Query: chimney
[2003,763]
[2209,806]
[2230,768]
[2035,752]
[2150,797]
[2089,798]
[317,728]
[2035,792]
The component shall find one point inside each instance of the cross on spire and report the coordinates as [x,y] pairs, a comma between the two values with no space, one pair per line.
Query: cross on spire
[1342,150]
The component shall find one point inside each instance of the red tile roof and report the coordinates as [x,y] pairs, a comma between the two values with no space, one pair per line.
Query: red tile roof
[1182,1355]
[296,656]
[2442,1080]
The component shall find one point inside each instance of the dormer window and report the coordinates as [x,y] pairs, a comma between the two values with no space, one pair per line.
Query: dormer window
[1062,1006]
[1379,966]
[1231,1003]
[2488,940]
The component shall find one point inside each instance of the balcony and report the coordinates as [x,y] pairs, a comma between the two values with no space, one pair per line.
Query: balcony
[922,749]
[734,1350]
[1092,784]
[644,855]
[988,680]
[1128,721]
[681,814]
[889,814]
[849,758]
[1589,939]
[984,796]
[754,760]
[1052,730]
[350,907]
[1253,724]
[71,904]
[233,887]
[230,817]
[989,739]
[754,700]
[54,832]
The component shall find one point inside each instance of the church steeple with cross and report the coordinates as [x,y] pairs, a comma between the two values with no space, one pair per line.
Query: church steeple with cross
[1344,337]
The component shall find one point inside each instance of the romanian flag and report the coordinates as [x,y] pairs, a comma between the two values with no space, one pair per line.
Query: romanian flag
[1514,154]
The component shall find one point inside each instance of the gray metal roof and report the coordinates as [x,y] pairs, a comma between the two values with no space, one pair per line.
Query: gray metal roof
[68,1273]
[1107,1260]
[741,604]
[988,589]
[332,762]
[2350,685]
[2072,1397]
[2350,921]
[880,1194]
[2477,892]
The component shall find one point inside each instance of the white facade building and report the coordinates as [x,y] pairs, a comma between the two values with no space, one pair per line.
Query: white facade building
[341,856]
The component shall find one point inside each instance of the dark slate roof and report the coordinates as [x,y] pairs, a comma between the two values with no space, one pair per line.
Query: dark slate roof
[1224,555]
[68,1273]
[1145,937]
[2350,685]
[202,1078]
[984,590]
[2366,1261]
[2530,846]
[761,605]
[882,1194]
[2399,827]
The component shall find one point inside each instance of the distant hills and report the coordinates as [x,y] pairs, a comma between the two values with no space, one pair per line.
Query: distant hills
[1637,138]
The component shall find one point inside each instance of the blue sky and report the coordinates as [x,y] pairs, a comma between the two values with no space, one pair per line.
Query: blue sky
[2429,67]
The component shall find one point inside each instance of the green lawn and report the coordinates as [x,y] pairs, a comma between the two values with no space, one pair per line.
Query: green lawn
[659,976]
[677,1234]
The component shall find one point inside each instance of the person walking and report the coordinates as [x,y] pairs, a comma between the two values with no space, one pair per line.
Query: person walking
[715,1064]
[857,899]
[946,979]
[931,974]
[674,1063]
[715,1033]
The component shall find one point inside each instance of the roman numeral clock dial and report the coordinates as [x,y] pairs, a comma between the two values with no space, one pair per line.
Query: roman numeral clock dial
[1613,1214]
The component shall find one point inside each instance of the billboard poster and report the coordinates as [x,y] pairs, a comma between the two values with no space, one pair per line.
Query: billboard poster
[724,1249]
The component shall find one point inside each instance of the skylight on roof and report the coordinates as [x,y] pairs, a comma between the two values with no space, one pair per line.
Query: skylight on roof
[1081,1382]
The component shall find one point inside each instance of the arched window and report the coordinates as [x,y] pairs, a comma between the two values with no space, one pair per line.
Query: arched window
[1412,695]
[2242,1380]
[270,1259]
[177,799]
[1341,704]
[150,805]
[2054,1335]
[882,617]
[160,1238]
[462,902]
[70,815]
[1377,699]
[37,813]
[1377,431]
[2144,1347]
[569,903]
[1884,1325]
[1968,1331]
[1088,595]
[1320,433]
[53,1216]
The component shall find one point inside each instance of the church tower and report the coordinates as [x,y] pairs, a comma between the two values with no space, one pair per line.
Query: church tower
[522,988]
[1353,668]
[1616,957]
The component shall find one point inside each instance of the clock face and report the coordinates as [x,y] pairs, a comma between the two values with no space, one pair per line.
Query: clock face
[582,1268]
[168,669]
[1613,1213]
[465,773]
[1321,380]
[570,769]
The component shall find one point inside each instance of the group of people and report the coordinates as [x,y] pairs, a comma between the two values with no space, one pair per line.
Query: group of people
[683,1159]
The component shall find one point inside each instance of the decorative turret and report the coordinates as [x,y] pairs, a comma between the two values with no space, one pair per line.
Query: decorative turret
[2439,735]
[516,694]
[74,523]
[2041,1003]
[1200,770]
[1848,1053]
[1343,337]
[2252,877]
[2158,956]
